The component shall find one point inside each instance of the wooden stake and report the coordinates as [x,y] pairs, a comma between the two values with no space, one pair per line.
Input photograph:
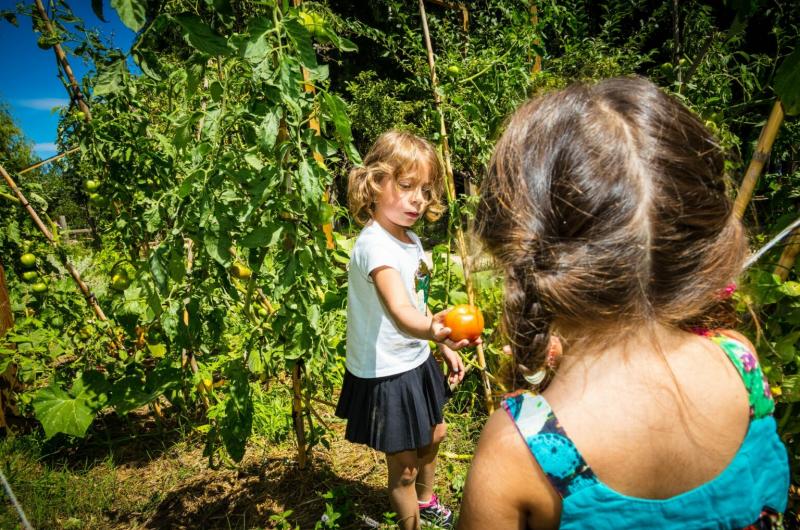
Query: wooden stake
[47,161]
[451,197]
[789,256]
[764,146]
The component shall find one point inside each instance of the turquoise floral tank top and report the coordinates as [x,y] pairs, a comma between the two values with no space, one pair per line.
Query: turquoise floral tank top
[750,493]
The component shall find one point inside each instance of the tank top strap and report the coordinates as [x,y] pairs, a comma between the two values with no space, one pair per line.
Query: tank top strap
[553,450]
[756,383]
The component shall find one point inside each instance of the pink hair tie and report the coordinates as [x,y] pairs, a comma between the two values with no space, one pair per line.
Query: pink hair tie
[728,291]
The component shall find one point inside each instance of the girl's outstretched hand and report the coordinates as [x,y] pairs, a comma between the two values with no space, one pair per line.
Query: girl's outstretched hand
[455,365]
[441,333]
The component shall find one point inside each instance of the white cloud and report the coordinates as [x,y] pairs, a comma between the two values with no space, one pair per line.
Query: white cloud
[46,148]
[42,103]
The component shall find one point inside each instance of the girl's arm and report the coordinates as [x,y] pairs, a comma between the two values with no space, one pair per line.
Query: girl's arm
[505,488]
[408,318]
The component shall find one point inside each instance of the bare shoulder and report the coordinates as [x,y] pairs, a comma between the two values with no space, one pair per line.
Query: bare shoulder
[741,338]
[505,487]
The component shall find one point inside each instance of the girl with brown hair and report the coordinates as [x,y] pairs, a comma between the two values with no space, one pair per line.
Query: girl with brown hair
[606,207]
[394,390]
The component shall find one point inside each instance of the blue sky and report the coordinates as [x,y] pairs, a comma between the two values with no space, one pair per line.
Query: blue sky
[30,84]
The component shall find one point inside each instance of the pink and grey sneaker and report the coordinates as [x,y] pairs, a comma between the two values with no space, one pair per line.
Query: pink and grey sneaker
[436,513]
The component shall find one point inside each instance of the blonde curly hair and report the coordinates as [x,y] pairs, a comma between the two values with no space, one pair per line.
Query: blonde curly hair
[394,154]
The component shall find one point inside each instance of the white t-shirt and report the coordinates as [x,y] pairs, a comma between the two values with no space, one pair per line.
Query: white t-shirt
[375,345]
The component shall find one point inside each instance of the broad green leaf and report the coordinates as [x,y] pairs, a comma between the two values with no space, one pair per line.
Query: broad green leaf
[336,109]
[93,387]
[111,78]
[340,42]
[217,244]
[61,413]
[787,81]
[786,347]
[257,46]
[308,183]
[201,36]
[302,41]
[132,12]
[790,288]
[263,236]
[97,7]
[268,129]
[148,62]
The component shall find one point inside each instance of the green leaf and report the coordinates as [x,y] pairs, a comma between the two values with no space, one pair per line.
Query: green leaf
[340,42]
[785,348]
[216,90]
[93,387]
[158,267]
[97,7]
[308,183]
[61,413]
[336,109]
[787,79]
[201,36]
[302,41]
[132,12]
[148,62]
[263,236]
[268,129]
[790,288]
[257,46]
[217,244]
[111,78]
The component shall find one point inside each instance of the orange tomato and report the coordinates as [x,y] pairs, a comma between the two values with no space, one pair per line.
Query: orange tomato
[465,322]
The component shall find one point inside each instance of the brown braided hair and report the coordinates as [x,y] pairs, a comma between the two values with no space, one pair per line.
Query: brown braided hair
[606,206]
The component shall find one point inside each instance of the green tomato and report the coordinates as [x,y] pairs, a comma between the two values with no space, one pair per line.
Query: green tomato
[97,200]
[28,260]
[29,276]
[92,185]
[86,332]
[39,287]
[120,281]
[453,70]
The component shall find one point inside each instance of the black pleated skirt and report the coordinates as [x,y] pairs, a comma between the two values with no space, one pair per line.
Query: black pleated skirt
[397,412]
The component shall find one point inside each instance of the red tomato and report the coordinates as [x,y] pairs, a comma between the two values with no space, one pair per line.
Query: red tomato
[465,322]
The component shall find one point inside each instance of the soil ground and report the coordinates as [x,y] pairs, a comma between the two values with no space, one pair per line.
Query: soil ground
[161,479]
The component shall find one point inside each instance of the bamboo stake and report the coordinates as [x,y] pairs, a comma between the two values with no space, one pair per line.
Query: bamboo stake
[451,197]
[764,146]
[47,161]
[789,256]
[90,298]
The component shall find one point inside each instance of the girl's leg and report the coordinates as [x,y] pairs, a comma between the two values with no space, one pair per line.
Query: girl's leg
[427,464]
[402,494]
